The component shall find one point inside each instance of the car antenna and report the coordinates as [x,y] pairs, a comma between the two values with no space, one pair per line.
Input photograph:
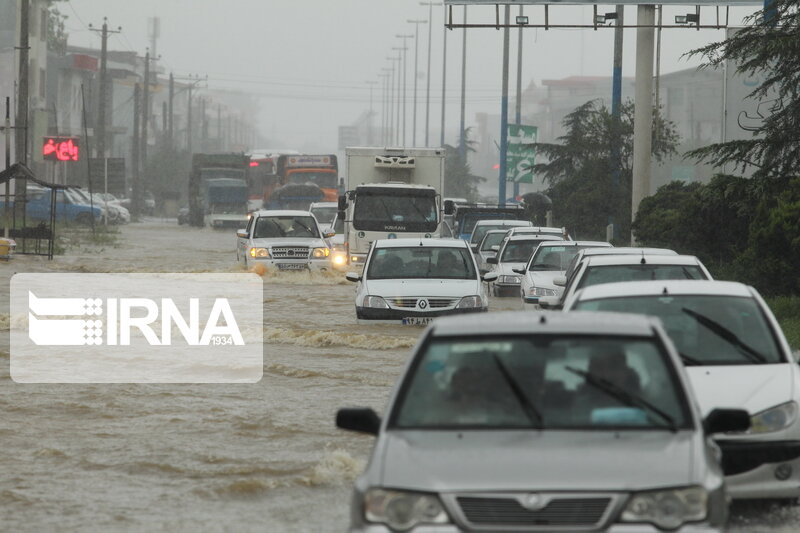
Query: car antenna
[665,291]
[542,319]
[643,261]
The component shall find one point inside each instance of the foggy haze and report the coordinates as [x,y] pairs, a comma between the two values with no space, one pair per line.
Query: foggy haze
[309,61]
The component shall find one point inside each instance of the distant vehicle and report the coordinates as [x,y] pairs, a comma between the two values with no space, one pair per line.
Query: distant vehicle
[465,216]
[225,202]
[595,270]
[393,193]
[482,226]
[69,207]
[413,280]
[586,253]
[550,260]
[736,356]
[304,179]
[514,254]
[327,215]
[284,240]
[542,422]
[218,190]
[324,212]
[488,247]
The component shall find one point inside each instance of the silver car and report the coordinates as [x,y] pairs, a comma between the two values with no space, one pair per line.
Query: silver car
[542,422]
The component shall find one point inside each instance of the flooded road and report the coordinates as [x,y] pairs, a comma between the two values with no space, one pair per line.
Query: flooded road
[260,457]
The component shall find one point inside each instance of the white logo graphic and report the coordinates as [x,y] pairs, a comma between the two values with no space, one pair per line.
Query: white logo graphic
[137,328]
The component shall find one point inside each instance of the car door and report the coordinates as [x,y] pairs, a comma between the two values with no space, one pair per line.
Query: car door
[242,243]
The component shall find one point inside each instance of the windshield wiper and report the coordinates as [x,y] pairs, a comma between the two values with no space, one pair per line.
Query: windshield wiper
[310,233]
[628,398]
[688,360]
[530,410]
[728,336]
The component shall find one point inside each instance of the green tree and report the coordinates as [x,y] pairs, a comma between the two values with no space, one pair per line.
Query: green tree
[770,49]
[585,191]
[56,29]
[459,181]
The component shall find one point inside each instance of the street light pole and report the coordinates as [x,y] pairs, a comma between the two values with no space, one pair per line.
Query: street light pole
[384,97]
[394,118]
[428,75]
[416,24]
[504,114]
[370,139]
[462,145]
[444,86]
[519,90]
[404,48]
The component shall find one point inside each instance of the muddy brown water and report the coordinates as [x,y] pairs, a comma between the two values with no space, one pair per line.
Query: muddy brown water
[256,457]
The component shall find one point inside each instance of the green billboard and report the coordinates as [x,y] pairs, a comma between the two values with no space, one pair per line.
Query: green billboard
[520,156]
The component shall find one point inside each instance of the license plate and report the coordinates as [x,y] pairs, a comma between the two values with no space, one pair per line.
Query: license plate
[417,321]
[292,266]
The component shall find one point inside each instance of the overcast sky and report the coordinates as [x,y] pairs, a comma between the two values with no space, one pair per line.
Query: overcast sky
[311,60]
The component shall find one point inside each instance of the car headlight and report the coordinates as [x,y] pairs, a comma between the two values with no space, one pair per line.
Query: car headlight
[321,253]
[339,259]
[376,302]
[402,510]
[263,253]
[773,419]
[469,302]
[667,509]
[511,280]
[541,291]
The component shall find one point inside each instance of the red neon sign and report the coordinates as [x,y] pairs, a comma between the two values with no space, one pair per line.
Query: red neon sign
[253,163]
[61,149]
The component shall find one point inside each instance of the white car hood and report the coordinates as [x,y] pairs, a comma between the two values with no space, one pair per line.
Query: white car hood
[423,287]
[750,387]
[507,269]
[311,243]
[544,278]
[530,460]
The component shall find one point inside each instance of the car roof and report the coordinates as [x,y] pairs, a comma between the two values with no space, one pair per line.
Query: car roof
[394,185]
[538,229]
[648,259]
[665,288]
[577,243]
[623,250]
[501,222]
[424,242]
[323,204]
[527,322]
[282,212]
[538,237]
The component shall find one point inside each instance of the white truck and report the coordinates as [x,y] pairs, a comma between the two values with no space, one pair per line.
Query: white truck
[392,193]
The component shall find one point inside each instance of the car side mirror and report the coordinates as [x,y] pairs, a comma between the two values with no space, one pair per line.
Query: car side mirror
[489,277]
[241,233]
[495,248]
[329,234]
[727,421]
[550,302]
[560,281]
[518,271]
[449,207]
[353,276]
[342,205]
[491,260]
[360,419]
[474,248]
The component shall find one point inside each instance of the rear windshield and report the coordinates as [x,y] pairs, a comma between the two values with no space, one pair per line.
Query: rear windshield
[595,275]
[554,258]
[492,239]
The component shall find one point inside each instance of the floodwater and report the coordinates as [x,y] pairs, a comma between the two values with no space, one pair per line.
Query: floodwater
[249,457]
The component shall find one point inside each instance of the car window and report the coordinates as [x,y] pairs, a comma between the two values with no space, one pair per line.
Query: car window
[552,258]
[324,215]
[480,231]
[275,227]
[518,251]
[595,275]
[712,330]
[491,239]
[548,381]
[421,263]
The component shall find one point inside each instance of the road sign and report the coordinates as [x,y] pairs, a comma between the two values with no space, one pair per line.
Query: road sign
[520,157]
[116,175]
[61,149]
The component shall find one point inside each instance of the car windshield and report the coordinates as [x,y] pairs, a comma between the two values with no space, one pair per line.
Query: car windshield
[554,258]
[598,274]
[421,262]
[291,227]
[706,329]
[518,251]
[324,215]
[492,239]
[543,381]
[480,231]
[395,212]
[320,179]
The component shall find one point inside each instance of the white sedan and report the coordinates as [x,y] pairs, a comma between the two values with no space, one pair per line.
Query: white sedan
[285,240]
[549,261]
[414,280]
[736,356]
[514,254]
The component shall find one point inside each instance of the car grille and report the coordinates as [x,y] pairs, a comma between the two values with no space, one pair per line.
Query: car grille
[564,512]
[293,252]
[433,303]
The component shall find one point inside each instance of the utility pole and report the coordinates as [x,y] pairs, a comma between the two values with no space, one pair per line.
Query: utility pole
[416,24]
[643,108]
[518,116]
[145,108]
[504,113]
[171,111]
[428,76]
[189,120]
[203,126]
[21,126]
[444,85]
[384,98]
[136,203]
[462,146]
[370,140]
[404,49]
[616,110]
[7,132]
[395,114]
[101,133]
[220,146]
